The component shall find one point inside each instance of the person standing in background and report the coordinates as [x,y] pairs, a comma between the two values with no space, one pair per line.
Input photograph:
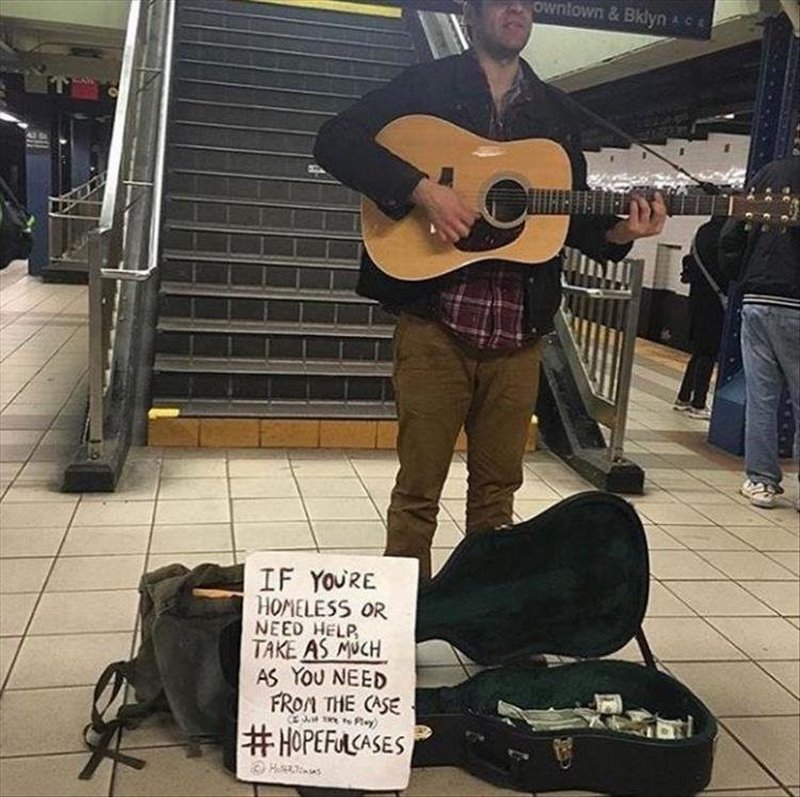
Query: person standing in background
[766,261]
[707,303]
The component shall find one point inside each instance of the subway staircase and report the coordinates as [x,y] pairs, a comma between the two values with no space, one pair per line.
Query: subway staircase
[258,318]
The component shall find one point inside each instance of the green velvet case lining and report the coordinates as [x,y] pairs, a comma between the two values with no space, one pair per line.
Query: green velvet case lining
[564,686]
[573,581]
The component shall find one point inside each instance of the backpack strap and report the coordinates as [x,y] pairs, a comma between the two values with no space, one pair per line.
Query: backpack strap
[116,674]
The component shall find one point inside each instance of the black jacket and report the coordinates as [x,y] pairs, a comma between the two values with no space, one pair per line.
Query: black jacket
[454,89]
[766,261]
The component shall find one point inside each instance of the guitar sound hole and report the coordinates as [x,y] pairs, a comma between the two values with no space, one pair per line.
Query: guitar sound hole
[507,202]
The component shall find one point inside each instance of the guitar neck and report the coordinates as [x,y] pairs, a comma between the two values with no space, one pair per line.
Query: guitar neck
[556,202]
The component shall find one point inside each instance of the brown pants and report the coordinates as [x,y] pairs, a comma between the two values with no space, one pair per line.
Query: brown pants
[441,386]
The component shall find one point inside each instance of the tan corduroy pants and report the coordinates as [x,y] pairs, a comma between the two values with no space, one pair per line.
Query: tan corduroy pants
[442,385]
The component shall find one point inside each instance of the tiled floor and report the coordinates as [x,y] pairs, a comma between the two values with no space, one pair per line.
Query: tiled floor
[723,615]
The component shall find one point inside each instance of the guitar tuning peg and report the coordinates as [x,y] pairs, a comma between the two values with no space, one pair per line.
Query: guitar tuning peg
[767,190]
[787,189]
[748,226]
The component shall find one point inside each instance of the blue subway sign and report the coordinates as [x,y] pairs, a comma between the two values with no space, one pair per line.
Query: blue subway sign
[680,19]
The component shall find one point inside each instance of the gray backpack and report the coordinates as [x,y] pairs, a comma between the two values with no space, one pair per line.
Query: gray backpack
[178,667]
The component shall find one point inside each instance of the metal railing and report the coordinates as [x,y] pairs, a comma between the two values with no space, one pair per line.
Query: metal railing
[70,218]
[597,329]
[124,246]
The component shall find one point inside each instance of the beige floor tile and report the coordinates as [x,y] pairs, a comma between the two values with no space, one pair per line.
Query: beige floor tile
[729,516]
[81,658]
[790,560]
[783,596]
[688,639]
[535,490]
[53,776]
[525,509]
[746,565]
[448,534]
[340,509]
[761,638]
[702,497]
[52,514]
[85,612]
[735,768]
[191,537]
[768,538]
[673,515]
[30,542]
[331,487]
[660,540]
[23,575]
[8,649]
[774,741]
[190,560]
[15,613]
[344,533]
[196,510]
[80,573]
[273,536]
[270,510]
[436,652]
[174,488]
[27,493]
[787,673]
[109,540]
[338,467]
[113,513]
[663,603]
[170,773]
[209,467]
[718,598]
[259,468]
[735,688]
[666,565]
[450,782]
[157,730]
[265,487]
[41,721]
[455,489]
[707,538]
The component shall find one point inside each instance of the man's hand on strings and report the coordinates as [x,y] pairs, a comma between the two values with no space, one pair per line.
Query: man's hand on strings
[450,216]
[645,219]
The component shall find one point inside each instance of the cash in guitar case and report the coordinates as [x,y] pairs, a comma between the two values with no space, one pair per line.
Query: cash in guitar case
[572,581]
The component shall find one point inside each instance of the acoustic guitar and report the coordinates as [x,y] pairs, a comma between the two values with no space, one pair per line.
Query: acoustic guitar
[523,191]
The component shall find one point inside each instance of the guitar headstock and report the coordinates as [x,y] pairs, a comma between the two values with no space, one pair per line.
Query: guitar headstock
[768,209]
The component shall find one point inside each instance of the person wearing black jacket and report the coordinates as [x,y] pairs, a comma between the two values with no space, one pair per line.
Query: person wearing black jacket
[466,345]
[766,261]
[706,317]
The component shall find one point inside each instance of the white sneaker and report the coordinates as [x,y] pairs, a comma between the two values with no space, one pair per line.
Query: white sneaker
[760,495]
[702,414]
[681,406]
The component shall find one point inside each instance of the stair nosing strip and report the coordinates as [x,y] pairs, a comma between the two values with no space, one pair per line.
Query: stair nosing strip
[219,64]
[346,43]
[345,368]
[315,329]
[231,84]
[240,151]
[250,128]
[247,107]
[172,255]
[205,289]
[271,203]
[229,229]
[242,176]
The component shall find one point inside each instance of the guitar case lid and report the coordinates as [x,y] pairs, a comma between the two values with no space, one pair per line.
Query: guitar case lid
[572,581]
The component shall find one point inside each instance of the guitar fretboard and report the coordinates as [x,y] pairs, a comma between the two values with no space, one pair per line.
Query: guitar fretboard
[557,202]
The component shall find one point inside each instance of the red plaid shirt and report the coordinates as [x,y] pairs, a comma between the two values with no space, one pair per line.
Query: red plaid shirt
[483,304]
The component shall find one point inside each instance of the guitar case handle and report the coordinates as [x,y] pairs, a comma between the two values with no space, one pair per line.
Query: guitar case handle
[514,773]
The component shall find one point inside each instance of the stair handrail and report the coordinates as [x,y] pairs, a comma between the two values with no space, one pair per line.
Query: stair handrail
[124,247]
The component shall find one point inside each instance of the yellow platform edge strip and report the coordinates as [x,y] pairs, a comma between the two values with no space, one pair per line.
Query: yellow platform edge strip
[337,5]
[163,412]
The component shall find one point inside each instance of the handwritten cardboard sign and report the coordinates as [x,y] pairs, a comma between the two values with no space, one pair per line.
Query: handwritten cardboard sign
[327,677]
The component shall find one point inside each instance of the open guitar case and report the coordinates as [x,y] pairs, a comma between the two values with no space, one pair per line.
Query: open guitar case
[572,581]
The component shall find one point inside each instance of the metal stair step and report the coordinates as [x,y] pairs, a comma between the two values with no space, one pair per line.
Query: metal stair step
[225,56]
[294,244]
[291,76]
[231,365]
[240,327]
[256,116]
[248,95]
[301,39]
[239,136]
[243,408]
[261,292]
[316,189]
[276,214]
